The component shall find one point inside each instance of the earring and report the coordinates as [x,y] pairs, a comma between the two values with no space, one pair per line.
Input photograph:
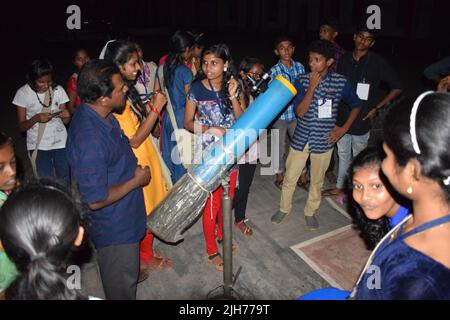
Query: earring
[225,69]
[409,190]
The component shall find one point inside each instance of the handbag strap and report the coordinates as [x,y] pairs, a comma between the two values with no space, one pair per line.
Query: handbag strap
[152,67]
[169,106]
[46,108]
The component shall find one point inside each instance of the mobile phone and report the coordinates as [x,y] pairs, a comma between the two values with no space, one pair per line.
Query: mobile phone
[56,114]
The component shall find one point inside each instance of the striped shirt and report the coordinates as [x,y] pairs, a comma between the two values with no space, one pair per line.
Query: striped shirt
[290,74]
[311,129]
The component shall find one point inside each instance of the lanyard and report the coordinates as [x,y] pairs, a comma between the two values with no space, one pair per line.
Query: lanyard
[425,226]
[363,70]
[219,101]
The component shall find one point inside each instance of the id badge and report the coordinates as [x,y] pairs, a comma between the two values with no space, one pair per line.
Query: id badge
[362,90]
[325,108]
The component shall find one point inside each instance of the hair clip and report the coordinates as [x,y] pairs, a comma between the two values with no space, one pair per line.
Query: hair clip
[412,121]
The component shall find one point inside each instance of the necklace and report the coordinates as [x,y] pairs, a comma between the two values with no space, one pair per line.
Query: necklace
[49,102]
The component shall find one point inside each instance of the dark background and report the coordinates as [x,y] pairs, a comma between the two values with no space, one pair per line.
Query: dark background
[414,33]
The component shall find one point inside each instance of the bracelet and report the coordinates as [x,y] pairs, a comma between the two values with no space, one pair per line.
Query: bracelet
[234,96]
[154,110]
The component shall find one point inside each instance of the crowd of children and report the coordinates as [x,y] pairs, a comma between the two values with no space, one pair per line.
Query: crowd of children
[115,134]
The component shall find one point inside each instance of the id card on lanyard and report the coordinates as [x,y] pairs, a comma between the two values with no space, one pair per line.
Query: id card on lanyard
[325,108]
[363,88]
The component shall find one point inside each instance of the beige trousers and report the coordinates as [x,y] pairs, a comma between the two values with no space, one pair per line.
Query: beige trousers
[295,163]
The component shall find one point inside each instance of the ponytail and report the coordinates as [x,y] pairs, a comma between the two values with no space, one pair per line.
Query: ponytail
[41,280]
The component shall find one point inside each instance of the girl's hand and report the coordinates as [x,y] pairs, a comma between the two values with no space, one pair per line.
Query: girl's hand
[232,86]
[217,131]
[43,117]
[159,100]
[64,114]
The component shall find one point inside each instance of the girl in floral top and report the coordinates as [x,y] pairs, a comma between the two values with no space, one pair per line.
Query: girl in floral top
[216,102]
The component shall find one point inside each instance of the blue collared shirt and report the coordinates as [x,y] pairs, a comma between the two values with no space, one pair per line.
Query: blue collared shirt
[100,157]
[289,74]
[311,129]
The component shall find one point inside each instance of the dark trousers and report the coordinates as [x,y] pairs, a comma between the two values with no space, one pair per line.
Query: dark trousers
[246,174]
[119,270]
[53,164]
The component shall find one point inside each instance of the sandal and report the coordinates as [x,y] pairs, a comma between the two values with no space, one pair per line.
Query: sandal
[233,247]
[245,229]
[157,263]
[143,275]
[215,260]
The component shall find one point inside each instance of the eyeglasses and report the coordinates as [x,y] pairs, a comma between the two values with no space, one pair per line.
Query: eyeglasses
[256,76]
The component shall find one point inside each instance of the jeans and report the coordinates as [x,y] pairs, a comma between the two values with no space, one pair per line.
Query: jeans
[53,164]
[346,145]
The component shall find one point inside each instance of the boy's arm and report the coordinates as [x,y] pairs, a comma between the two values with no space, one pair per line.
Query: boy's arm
[338,132]
[303,106]
[394,93]
[390,77]
[350,98]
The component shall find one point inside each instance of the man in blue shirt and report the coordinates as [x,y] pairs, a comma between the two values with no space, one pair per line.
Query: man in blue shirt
[108,178]
[290,70]
[319,94]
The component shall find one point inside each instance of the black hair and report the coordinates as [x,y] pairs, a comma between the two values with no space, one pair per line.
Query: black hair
[223,52]
[323,47]
[432,132]
[119,52]
[95,80]
[332,22]
[371,231]
[363,28]
[39,223]
[75,53]
[246,65]
[179,42]
[282,38]
[4,139]
[248,62]
[197,39]
[39,68]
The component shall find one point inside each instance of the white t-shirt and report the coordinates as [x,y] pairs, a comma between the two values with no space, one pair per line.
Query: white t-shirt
[55,134]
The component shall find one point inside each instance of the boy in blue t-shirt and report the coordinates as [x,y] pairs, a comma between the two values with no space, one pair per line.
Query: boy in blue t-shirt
[290,70]
[316,103]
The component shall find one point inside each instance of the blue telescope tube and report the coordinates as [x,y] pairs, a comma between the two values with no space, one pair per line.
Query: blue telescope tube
[181,207]
[246,129]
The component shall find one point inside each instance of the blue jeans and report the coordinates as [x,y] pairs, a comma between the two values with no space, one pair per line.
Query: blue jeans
[53,164]
[346,145]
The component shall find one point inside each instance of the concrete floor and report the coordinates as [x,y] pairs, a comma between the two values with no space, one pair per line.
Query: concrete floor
[270,268]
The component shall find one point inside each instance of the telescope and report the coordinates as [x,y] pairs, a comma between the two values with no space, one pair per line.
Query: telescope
[184,203]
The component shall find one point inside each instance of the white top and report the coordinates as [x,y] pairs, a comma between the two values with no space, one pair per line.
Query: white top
[55,134]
